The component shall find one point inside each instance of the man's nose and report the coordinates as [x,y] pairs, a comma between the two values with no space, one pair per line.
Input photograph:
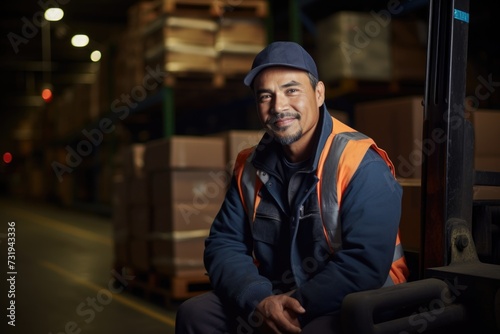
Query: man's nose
[280,103]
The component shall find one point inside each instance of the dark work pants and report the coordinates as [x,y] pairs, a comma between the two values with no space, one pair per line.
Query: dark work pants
[205,314]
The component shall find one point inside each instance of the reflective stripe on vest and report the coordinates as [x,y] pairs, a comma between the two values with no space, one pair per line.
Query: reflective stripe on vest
[330,203]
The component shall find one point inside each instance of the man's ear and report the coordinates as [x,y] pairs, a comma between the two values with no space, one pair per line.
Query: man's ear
[320,93]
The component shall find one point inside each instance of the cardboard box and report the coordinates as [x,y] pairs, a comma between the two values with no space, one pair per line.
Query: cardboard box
[180,30]
[410,227]
[409,64]
[198,188]
[410,223]
[486,193]
[241,32]
[131,158]
[139,190]
[179,254]
[140,255]
[486,132]
[142,13]
[140,221]
[182,58]
[237,140]
[183,216]
[396,125]
[235,62]
[119,202]
[121,251]
[184,152]
[128,66]
[408,49]
[408,33]
[489,163]
[353,45]
[486,149]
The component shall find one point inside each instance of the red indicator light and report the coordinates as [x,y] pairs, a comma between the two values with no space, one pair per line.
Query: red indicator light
[7,157]
[47,95]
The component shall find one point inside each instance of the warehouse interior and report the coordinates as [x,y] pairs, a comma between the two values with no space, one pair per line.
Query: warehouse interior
[112,179]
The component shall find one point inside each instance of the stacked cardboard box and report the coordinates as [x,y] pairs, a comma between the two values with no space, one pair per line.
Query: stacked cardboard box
[129,65]
[396,125]
[181,39]
[181,44]
[238,41]
[370,46]
[131,217]
[141,13]
[486,148]
[196,38]
[408,49]
[186,193]
[234,142]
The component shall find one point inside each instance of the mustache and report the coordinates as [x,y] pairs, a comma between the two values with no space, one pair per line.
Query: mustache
[276,117]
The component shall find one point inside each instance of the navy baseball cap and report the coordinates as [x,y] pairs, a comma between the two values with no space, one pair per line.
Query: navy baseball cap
[288,54]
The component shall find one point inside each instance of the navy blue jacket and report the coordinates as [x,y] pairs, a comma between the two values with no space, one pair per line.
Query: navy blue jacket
[288,241]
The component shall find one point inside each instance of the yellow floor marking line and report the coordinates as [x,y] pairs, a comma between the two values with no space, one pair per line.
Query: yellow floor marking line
[63,227]
[119,298]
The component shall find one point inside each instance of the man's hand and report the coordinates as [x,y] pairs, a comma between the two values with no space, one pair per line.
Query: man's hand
[280,314]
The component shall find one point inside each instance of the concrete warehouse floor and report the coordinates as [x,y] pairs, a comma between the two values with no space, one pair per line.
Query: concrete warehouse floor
[64,281]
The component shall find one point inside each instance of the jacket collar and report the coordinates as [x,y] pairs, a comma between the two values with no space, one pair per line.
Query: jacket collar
[268,152]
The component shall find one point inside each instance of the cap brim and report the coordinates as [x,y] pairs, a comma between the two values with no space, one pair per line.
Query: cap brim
[255,71]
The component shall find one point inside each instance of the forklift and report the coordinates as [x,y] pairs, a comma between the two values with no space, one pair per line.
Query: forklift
[455,291]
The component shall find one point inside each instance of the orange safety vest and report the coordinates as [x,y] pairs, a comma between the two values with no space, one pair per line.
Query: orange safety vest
[344,150]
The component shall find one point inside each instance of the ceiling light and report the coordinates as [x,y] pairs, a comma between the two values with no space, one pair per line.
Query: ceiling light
[54,14]
[95,56]
[80,40]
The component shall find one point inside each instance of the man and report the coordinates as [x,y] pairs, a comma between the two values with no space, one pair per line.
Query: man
[311,215]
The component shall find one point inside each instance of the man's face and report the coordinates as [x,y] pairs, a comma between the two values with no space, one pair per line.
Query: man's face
[287,104]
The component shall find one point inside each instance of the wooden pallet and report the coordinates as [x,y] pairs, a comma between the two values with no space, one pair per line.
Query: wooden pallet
[191,79]
[167,290]
[240,8]
[187,7]
[215,8]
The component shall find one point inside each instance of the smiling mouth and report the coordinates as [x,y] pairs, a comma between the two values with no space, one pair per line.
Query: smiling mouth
[282,121]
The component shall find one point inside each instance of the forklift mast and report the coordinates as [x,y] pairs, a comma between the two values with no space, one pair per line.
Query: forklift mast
[455,291]
[447,170]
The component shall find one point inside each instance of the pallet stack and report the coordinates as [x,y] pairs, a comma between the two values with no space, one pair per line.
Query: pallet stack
[131,210]
[238,40]
[185,174]
[129,65]
[204,38]
[166,196]
[234,142]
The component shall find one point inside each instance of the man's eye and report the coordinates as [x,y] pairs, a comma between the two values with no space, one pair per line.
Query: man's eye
[264,98]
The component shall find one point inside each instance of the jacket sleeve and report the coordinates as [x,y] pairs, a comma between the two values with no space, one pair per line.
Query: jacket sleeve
[228,256]
[369,214]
